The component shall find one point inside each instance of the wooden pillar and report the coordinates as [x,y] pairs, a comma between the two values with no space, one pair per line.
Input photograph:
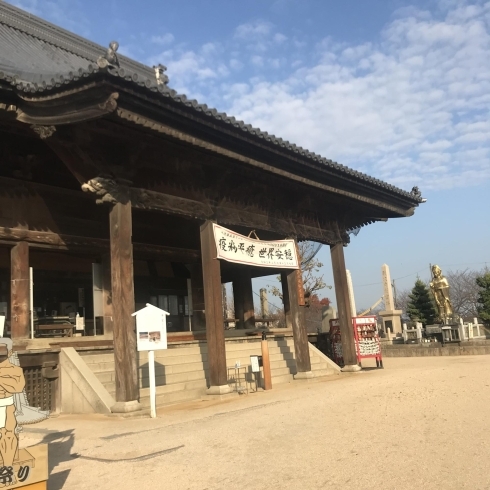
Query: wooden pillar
[19,291]
[343,307]
[107,295]
[296,304]
[215,332]
[285,299]
[123,303]
[197,287]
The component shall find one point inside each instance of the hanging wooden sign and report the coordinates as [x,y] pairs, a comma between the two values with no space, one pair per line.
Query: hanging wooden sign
[233,247]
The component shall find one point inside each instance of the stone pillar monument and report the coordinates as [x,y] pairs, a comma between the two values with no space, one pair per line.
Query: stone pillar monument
[391,317]
[351,294]
[328,313]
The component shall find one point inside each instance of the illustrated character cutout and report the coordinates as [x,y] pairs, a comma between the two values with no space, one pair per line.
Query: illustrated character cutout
[14,410]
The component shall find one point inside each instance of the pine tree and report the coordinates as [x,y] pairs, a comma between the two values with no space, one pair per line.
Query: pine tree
[420,307]
[483,282]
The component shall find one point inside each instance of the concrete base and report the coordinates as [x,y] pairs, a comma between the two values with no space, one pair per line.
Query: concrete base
[351,368]
[126,407]
[392,318]
[305,375]
[218,390]
[226,396]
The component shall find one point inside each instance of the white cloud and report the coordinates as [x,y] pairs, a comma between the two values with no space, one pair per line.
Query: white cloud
[163,40]
[411,109]
[253,30]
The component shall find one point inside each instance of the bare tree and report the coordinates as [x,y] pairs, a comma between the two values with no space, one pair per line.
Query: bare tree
[312,276]
[463,291]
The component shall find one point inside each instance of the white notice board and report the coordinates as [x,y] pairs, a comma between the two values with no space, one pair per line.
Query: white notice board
[151,328]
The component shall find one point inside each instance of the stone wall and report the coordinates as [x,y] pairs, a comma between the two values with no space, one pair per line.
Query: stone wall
[469,348]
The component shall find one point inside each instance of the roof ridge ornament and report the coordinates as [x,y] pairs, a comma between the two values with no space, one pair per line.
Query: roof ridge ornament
[108,189]
[110,58]
[44,132]
[160,76]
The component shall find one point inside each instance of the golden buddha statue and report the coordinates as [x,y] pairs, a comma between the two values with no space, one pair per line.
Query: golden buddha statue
[440,289]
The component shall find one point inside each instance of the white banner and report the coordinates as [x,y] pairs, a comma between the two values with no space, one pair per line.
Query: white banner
[234,247]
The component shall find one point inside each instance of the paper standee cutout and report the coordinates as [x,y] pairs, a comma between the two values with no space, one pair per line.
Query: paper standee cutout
[27,467]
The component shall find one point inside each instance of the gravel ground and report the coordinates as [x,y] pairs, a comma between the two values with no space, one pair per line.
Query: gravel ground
[419,423]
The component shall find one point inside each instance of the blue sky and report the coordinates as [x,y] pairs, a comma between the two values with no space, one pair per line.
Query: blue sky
[397,89]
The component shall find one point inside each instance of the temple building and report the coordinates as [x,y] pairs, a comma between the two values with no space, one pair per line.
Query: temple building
[112,187]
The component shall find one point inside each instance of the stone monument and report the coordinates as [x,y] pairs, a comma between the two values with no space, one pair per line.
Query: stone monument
[392,323]
[328,313]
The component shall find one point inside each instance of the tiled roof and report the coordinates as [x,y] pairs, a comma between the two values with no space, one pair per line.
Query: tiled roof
[36,56]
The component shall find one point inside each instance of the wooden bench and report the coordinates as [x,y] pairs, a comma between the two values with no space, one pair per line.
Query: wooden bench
[65,328]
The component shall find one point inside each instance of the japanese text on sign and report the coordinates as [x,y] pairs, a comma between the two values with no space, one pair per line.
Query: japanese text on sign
[234,247]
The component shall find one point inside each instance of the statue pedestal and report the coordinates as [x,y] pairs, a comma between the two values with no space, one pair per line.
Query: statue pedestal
[392,321]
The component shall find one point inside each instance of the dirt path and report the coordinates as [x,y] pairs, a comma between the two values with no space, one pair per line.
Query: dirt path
[419,423]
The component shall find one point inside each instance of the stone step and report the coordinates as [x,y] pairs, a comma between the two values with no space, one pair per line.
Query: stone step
[284,378]
[106,377]
[161,369]
[175,397]
[180,351]
[96,358]
[162,358]
[174,378]
[283,363]
[101,367]
[280,371]
[171,388]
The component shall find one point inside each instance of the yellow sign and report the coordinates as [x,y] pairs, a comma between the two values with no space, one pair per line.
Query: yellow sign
[29,469]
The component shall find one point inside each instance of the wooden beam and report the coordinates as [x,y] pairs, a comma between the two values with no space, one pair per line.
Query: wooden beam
[301,348]
[126,368]
[43,239]
[205,145]
[214,312]
[225,212]
[230,213]
[343,304]
[19,291]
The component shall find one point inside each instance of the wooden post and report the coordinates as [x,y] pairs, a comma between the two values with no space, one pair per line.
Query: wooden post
[215,332]
[285,299]
[301,348]
[19,291]
[266,364]
[197,287]
[123,304]
[343,307]
[107,295]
